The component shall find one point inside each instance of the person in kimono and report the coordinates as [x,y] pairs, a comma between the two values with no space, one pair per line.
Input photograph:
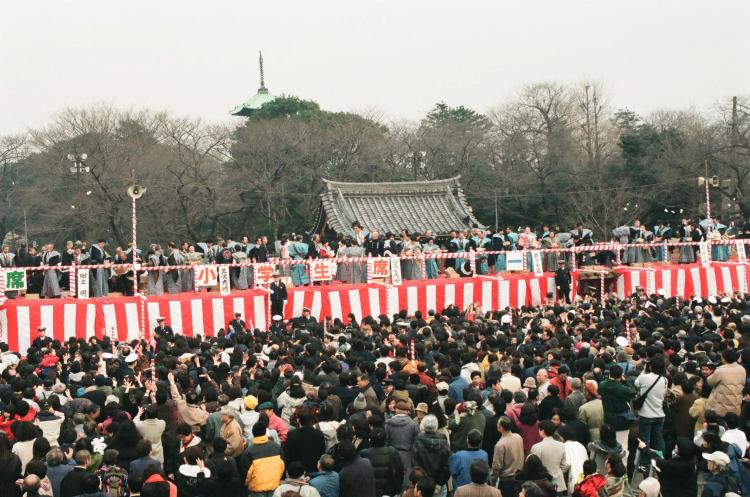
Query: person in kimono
[511,239]
[357,270]
[359,235]
[29,257]
[51,283]
[697,235]
[527,240]
[7,257]
[551,241]
[431,265]
[313,251]
[192,257]
[66,259]
[391,246]
[719,253]
[375,246]
[123,274]
[298,251]
[206,250]
[283,251]
[462,246]
[99,279]
[154,279]
[497,244]
[452,249]
[642,236]
[240,275]
[661,234]
[481,243]
[684,232]
[173,277]
[343,269]
[411,269]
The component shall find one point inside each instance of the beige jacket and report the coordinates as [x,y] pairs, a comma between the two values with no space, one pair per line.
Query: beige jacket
[591,414]
[232,433]
[190,414]
[726,383]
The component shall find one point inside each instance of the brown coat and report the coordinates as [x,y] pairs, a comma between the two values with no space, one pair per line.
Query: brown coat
[684,423]
[726,383]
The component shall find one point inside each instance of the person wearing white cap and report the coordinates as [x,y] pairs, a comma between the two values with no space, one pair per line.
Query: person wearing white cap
[718,482]
[649,487]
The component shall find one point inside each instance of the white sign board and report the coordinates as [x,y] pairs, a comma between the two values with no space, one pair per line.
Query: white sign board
[395,271]
[206,275]
[536,260]
[740,248]
[514,260]
[82,283]
[705,251]
[225,287]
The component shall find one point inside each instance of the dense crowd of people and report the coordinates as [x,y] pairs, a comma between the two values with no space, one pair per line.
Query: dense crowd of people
[483,243]
[646,395]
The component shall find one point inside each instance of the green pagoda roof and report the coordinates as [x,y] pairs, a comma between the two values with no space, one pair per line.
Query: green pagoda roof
[256,101]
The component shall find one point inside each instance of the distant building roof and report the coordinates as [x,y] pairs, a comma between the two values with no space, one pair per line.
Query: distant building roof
[413,205]
[256,101]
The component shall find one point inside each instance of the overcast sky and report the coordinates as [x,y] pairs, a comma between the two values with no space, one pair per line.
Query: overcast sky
[399,57]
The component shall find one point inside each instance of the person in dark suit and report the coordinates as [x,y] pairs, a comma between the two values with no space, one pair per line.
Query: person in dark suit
[237,325]
[161,329]
[278,295]
[562,281]
[375,246]
[305,319]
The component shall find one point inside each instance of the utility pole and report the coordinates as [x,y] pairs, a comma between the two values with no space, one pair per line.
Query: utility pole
[496,216]
[708,196]
[77,168]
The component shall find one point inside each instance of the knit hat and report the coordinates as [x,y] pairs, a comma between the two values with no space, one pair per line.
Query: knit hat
[251,402]
[265,405]
[228,411]
[442,386]
[360,404]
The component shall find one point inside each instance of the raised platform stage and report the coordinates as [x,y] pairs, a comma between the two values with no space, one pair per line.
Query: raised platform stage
[205,313]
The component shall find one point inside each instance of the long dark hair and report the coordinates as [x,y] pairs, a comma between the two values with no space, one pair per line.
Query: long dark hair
[528,414]
[5,450]
[533,469]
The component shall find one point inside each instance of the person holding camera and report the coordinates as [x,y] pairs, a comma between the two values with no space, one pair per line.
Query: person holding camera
[652,387]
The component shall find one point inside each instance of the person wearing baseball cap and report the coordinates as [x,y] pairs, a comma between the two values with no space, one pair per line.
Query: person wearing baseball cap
[649,487]
[718,482]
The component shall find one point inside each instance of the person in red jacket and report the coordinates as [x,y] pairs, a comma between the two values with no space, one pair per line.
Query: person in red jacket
[592,482]
[558,376]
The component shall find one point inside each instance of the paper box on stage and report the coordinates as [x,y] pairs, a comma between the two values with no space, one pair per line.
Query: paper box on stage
[451,273]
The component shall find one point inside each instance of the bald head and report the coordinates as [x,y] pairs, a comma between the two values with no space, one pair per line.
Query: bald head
[31,483]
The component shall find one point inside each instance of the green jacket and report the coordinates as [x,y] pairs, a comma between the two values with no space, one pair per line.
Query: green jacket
[616,396]
[460,430]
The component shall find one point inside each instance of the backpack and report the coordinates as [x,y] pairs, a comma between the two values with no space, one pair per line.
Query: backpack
[114,481]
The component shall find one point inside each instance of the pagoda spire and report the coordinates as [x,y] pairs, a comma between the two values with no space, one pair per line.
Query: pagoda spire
[262,77]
